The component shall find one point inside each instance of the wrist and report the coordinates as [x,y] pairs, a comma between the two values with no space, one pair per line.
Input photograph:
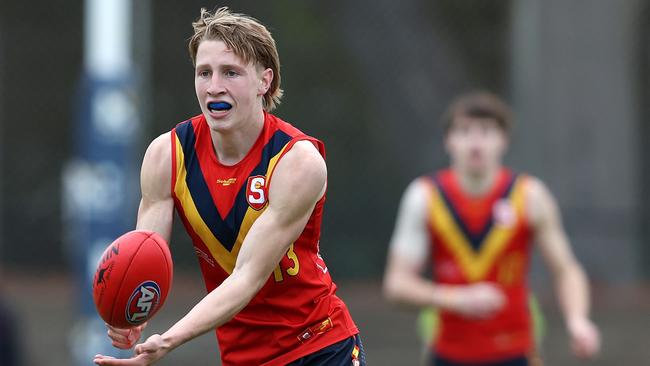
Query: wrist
[170,340]
[446,296]
[576,321]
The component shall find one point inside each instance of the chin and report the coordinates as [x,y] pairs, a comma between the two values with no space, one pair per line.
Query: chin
[477,170]
[219,125]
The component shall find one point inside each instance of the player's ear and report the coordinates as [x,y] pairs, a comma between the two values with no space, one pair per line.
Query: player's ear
[265,81]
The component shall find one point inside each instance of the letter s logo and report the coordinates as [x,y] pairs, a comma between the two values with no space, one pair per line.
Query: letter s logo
[256,192]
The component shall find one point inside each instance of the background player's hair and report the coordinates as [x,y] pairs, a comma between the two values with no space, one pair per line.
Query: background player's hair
[248,39]
[479,104]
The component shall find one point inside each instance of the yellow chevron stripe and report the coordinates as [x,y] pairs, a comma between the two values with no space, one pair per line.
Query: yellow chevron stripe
[475,264]
[224,258]
[251,214]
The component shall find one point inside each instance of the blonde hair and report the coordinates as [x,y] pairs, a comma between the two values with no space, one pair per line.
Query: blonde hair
[247,38]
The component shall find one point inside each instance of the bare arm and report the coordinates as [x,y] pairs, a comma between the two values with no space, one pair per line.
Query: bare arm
[155,213]
[569,278]
[157,206]
[409,252]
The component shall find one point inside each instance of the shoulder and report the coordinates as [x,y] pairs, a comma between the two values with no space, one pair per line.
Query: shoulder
[304,160]
[424,185]
[420,187]
[540,199]
[535,188]
[159,149]
[156,165]
[416,195]
[298,181]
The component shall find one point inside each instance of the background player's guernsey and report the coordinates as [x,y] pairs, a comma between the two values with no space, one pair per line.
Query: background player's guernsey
[482,239]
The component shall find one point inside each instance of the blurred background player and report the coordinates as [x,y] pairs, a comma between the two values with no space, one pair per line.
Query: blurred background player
[428,326]
[270,295]
[475,223]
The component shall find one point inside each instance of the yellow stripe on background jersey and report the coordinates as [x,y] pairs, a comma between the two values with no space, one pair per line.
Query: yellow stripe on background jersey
[474,264]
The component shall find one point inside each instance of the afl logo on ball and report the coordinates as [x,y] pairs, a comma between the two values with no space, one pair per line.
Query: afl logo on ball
[142,302]
[256,192]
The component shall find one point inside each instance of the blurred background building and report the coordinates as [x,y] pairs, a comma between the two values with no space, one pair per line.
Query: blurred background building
[371,79]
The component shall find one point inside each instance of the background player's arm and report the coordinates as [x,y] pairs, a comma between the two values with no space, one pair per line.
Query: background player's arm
[299,181]
[570,280]
[408,254]
[155,213]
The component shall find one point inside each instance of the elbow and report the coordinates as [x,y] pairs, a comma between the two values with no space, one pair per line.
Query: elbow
[247,283]
[252,285]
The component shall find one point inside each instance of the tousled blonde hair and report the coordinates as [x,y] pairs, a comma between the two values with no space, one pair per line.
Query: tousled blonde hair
[247,38]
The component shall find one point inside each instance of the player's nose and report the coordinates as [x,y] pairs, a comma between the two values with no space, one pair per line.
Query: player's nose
[216,86]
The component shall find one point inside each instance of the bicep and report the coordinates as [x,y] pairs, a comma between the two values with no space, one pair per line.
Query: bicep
[156,206]
[409,243]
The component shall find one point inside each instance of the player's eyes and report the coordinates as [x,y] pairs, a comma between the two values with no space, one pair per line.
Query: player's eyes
[231,73]
[203,73]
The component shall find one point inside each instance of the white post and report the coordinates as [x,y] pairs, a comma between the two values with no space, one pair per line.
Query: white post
[96,191]
[107,42]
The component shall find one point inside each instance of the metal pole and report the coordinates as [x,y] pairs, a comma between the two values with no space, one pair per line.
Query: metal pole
[97,181]
[107,42]
[142,60]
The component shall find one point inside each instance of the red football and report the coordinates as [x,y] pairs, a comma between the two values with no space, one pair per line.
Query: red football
[133,279]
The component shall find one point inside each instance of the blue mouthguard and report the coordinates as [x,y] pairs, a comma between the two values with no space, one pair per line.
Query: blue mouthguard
[219,105]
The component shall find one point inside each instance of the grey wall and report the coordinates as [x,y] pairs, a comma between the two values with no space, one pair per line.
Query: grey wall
[575,86]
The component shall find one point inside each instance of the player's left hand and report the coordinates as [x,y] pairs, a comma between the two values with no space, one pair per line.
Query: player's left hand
[585,338]
[152,350]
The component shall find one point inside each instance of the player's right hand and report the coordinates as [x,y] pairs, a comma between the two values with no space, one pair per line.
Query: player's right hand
[479,300]
[585,338]
[125,338]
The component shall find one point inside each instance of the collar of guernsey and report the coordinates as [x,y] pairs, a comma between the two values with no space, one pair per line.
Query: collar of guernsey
[217,216]
[477,230]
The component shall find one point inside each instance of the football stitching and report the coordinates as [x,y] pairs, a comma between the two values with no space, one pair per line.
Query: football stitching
[119,290]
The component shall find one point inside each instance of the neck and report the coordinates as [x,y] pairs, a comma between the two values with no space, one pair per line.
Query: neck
[231,146]
[476,184]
